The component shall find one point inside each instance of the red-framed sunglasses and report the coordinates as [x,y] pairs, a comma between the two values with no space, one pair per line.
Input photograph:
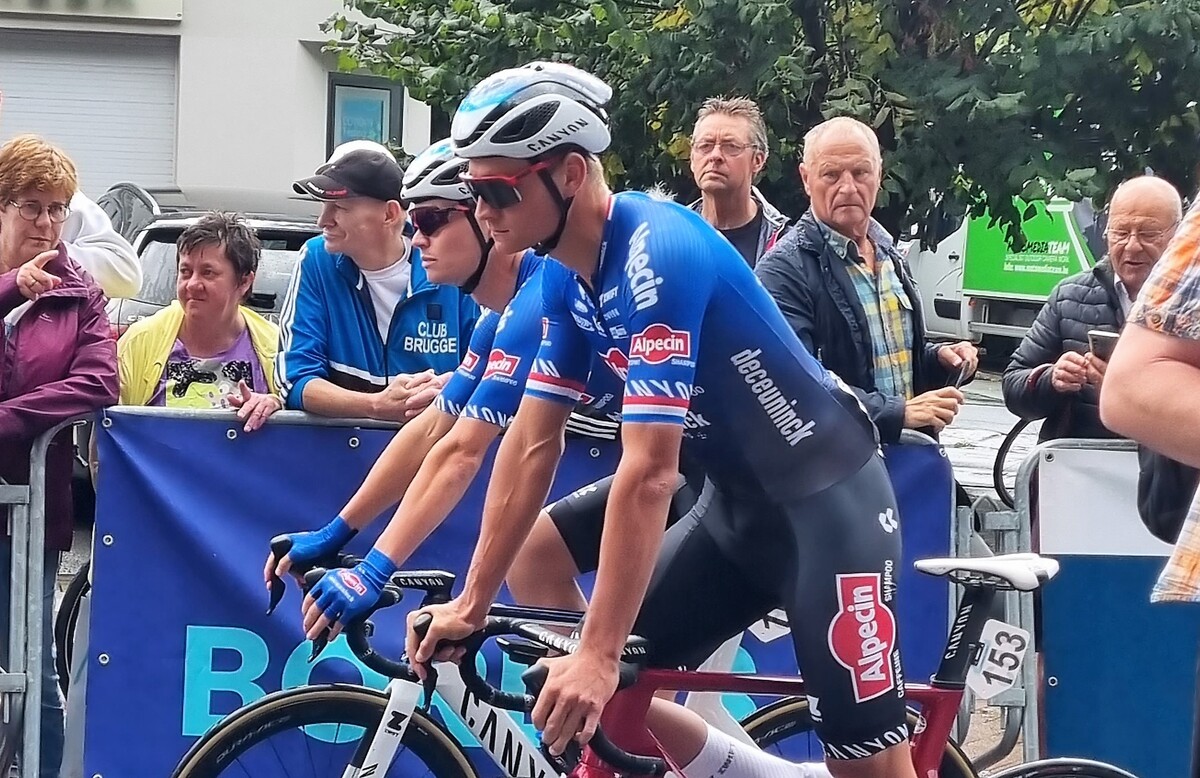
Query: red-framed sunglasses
[501,191]
[430,219]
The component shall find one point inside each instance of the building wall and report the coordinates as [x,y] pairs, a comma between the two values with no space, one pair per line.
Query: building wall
[253,87]
[253,92]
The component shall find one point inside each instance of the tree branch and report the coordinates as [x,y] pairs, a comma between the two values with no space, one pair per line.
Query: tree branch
[1058,4]
[1081,11]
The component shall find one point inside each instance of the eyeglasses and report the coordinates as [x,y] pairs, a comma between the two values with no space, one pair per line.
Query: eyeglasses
[703,148]
[501,191]
[31,211]
[429,220]
[1121,237]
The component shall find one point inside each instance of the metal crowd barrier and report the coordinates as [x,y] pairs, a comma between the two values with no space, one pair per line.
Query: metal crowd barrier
[1014,532]
[21,684]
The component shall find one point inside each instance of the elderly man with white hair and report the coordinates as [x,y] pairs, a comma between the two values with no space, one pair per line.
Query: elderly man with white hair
[844,287]
[1055,374]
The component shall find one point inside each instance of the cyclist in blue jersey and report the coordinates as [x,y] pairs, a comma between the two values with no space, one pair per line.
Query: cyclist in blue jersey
[433,459]
[797,511]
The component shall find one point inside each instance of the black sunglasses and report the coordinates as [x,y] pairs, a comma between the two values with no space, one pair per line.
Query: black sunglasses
[429,220]
[501,191]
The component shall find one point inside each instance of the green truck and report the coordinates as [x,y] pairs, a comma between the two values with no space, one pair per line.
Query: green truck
[975,287]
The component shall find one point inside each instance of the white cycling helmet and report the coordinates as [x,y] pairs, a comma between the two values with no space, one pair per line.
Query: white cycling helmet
[525,112]
[434,173]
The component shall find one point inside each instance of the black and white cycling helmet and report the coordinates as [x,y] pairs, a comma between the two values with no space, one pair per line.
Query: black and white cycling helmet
[525,112]
[434,173]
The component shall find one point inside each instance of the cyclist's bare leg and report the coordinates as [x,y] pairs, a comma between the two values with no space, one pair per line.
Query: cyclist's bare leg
[543,574]
[701,750]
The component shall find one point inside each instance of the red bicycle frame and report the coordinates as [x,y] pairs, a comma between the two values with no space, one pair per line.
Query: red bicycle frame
[937,703]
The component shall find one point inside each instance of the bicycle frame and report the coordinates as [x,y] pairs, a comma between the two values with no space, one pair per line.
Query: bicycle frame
[501,736]
[624,718]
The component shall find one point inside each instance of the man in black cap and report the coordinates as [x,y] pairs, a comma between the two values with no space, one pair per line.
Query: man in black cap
[363,332]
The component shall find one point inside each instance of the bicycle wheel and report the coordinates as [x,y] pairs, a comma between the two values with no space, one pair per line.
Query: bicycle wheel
[785,728]
[64,625]
[1063,768]
[315,732]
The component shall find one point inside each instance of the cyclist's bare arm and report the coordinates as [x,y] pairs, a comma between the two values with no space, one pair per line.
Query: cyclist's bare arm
[634,520]
[443,479]
[397,466]
[521,480]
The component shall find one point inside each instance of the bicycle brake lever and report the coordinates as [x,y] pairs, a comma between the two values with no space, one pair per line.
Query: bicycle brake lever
[277,588]
[430,686]
[280,546]
[318,645]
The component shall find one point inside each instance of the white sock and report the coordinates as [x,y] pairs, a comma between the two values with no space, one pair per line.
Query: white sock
[725,757]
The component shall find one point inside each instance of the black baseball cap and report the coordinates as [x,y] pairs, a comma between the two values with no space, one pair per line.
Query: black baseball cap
[362,173]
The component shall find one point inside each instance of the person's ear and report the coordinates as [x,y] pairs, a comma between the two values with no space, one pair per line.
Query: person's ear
[804,178]
[395,213]
[574,171]
[247,286]
[759,159]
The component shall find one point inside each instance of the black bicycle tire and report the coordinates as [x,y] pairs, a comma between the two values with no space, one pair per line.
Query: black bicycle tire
[1063,768]
[65,622]
[790,715]
[249,725]
[998,482]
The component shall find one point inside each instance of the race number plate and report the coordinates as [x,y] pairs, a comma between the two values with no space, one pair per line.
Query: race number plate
[999,662]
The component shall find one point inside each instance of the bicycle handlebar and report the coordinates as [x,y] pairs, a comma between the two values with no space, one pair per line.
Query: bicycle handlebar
[534,678]
[437,586]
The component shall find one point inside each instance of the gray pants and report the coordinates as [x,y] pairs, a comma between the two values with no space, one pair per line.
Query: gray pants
[52,702]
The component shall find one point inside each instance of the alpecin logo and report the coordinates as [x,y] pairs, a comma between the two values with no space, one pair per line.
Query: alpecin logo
[862,636]
[352,582]
[658,343]
[470,361]
[617,362]
[501,364]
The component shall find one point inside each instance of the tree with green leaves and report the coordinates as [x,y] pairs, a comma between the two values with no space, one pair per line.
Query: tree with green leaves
[974,102]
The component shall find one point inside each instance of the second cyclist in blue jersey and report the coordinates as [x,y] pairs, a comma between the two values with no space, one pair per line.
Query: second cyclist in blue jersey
[797,512]
[435,456]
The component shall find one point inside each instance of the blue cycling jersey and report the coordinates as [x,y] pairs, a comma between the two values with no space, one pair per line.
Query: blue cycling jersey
[489,383]
[676,312]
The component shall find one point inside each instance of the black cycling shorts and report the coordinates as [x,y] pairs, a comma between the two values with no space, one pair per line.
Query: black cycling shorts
[579,518]
[829,560]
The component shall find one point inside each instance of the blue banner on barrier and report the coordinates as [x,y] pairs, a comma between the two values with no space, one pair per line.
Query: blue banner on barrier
[184,513]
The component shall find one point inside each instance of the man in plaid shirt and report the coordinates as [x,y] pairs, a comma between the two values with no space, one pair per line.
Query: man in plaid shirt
[1152,393]
[845,289]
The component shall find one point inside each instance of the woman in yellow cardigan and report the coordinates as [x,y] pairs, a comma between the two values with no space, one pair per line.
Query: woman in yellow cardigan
[206,350]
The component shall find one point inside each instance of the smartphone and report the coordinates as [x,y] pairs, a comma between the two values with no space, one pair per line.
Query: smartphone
[1101,343]
[961,375]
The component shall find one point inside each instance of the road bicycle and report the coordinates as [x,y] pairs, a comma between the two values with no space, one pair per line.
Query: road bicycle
[356,732]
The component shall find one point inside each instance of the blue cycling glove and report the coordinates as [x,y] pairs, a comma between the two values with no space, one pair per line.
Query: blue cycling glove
[309,547]
[347,594]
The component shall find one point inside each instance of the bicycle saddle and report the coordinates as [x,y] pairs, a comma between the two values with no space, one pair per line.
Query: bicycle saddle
[1024,572]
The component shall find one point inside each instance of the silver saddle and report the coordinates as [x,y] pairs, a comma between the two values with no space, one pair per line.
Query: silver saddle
[1023,572]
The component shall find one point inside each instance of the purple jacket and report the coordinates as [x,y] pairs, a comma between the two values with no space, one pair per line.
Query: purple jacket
[59,361]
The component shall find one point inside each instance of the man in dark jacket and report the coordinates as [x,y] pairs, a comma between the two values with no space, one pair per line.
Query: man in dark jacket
[845,289]
[1053,375]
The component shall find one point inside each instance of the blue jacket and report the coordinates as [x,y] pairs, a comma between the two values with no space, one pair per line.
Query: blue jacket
[327,327]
